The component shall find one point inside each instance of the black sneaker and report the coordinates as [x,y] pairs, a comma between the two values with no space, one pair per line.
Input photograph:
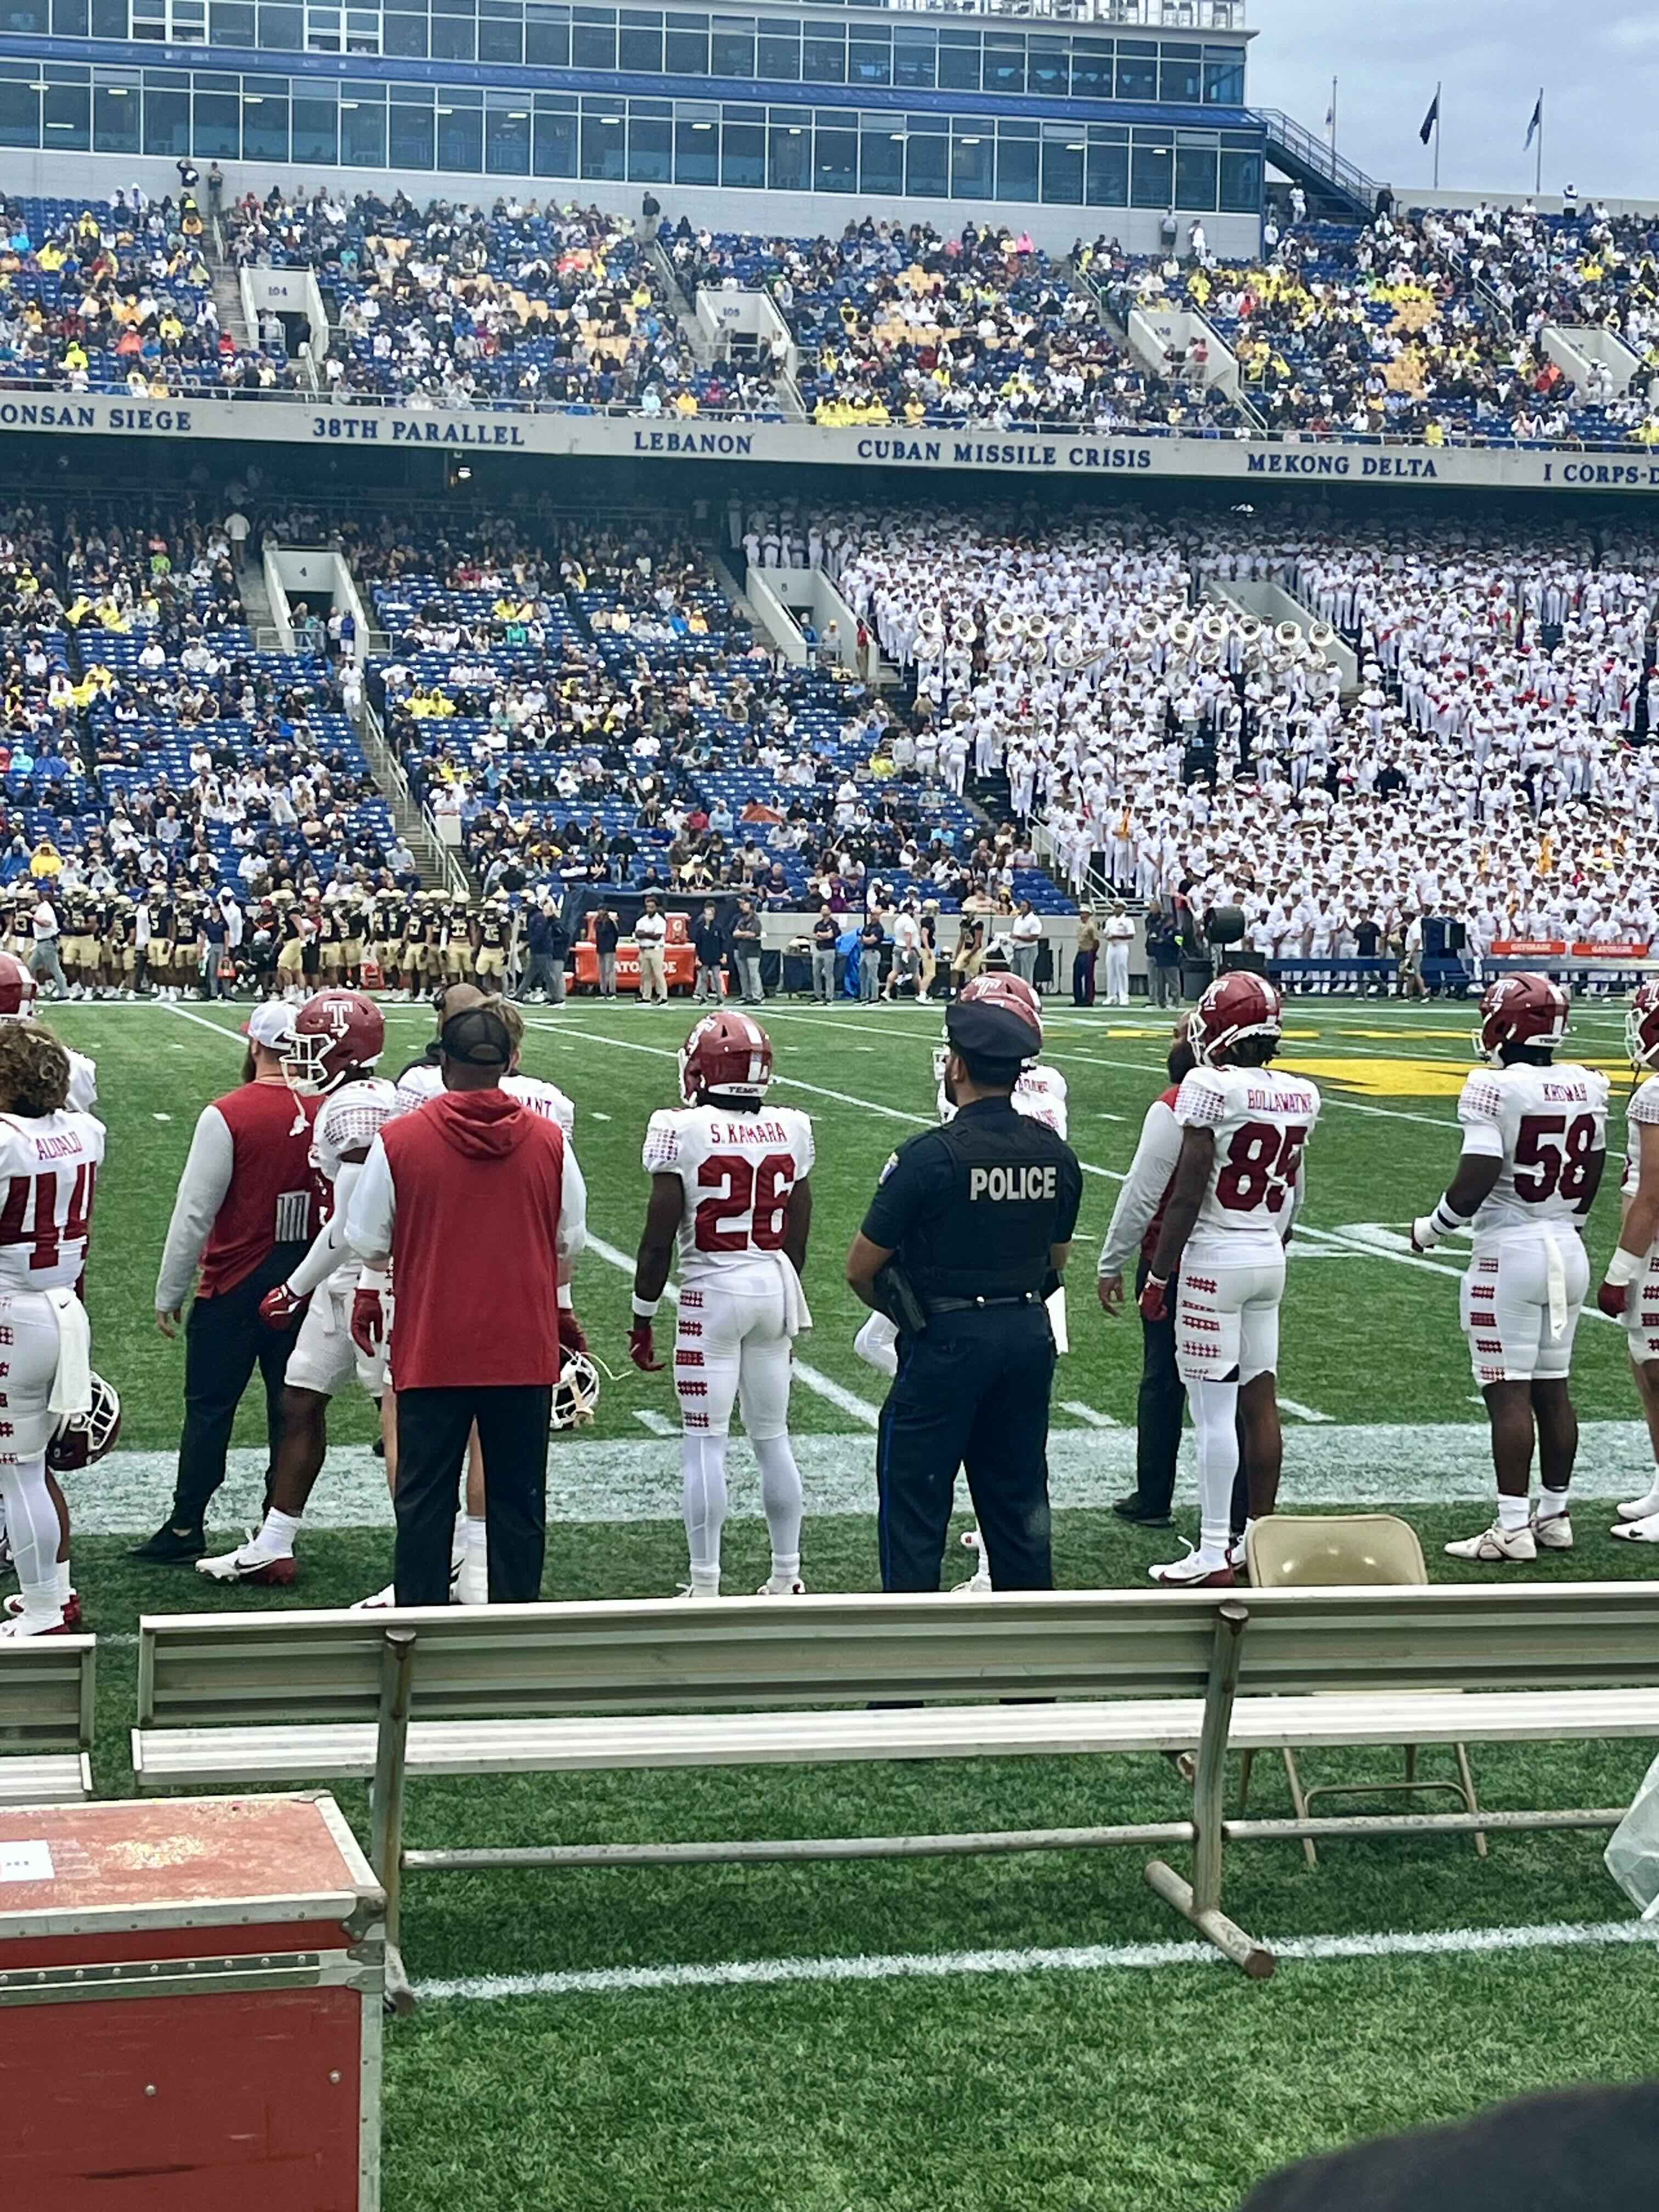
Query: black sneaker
[171,1548]
[1144,1517]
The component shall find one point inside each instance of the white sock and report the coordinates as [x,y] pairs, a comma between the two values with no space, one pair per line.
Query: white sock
[1513,1513]
[276,1539]
[702,1483]
[1215,1420]
[474,1588]
[60,1584]
[780,1500]
[1551,1505]
[458,1541]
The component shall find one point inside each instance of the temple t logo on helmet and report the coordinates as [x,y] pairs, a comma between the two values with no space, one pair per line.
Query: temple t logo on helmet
[1521,1010]
[333,1033]
[1234,1007]
[726,1055]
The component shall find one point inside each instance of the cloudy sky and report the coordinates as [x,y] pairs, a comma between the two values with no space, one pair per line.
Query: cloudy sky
[1599,74]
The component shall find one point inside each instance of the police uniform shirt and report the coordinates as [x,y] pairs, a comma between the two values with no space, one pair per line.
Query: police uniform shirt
[971,1209]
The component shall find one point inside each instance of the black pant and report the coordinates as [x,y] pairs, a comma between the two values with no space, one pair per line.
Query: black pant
[433,1427]
[1159,1409]
[971,1392]
[224,1340]
[1082,979]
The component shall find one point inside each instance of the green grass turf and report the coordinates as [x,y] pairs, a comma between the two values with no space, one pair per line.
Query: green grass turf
[1171,2087]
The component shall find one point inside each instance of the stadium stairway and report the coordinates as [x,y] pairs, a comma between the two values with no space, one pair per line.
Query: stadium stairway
[1337,192]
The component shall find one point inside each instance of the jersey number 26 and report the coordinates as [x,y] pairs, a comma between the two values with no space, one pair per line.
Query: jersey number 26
[757,1187]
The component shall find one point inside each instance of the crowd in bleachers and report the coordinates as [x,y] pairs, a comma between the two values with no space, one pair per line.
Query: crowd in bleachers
[608,717]
[116,296]
[1492,753]
[454,305]
[1428,326]
[899,324]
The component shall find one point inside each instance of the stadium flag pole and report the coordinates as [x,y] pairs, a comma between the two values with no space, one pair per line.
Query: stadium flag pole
[1538,163]
[1330,119]
[1437,138]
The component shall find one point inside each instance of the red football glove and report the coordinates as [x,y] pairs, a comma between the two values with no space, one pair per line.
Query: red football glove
[642,1349]
[1154,1303]
[368,1322]
[281,1308]
[1611,1297]
[571,1337]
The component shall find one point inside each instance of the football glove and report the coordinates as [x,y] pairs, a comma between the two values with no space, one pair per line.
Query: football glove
[282,1307]
[368,1322]
[1154,1302]
[1425,1234]
[571,1337]
[1611,1297]
[642,1349]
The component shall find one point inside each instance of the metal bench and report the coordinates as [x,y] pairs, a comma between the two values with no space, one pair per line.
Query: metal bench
[47,1690]
[274,1698]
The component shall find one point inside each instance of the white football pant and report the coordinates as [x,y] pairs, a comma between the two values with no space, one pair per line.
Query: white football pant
[732,1349]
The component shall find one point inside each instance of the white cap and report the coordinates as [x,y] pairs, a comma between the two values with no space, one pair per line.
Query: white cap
[271,1024]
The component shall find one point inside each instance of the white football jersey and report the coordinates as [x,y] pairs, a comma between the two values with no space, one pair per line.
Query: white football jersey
[48,1177]
[82,1083]
[348,1120]
[1642,1109]
[418,1083]
[1545,1125]
[543,1098]
[736,1170]
[1261,1121]
[1040,1093]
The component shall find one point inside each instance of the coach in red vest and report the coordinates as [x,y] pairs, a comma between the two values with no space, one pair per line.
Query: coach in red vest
[246,1210]
[474,1200]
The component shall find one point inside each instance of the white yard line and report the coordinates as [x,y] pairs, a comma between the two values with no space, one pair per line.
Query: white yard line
[1087,1415]
[626,1479]
[659,1424]
[1301,1412]
[1073,1958]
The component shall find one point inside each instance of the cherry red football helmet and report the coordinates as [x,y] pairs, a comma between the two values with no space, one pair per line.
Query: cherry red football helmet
[1642,1024]
[1014,995]
[17,987]
[725,1052]
[1235,1006]
[333,1033]
[1521,1010]
[83,1439]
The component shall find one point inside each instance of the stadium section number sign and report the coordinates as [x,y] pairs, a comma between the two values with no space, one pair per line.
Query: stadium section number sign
[1028,454]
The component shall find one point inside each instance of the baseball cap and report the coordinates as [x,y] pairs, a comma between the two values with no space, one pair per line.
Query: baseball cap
[271,1024]
[478,1037]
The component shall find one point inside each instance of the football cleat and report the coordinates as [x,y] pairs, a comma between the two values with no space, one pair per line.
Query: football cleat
[782,1586]
[1630,1509]
[247,1564]
[1192,1573]
[382,1600]
[697,1594]
[19,1630]
[14,1610]
[1645,1531]
[1238,1560]
[1496,1547]
[1553,1535]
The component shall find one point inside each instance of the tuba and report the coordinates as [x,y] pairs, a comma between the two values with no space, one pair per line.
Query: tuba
[1322,637]
[1002,636]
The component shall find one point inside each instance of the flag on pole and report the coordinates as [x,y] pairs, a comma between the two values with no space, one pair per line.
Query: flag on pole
[1330,115]
[1537,123]
[1432,118]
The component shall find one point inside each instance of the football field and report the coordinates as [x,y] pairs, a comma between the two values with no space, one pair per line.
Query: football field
[1024,2032]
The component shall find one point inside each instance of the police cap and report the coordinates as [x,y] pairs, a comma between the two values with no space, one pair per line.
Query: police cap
[996,1021]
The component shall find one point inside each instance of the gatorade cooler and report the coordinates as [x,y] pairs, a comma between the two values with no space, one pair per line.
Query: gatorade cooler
[191,1996]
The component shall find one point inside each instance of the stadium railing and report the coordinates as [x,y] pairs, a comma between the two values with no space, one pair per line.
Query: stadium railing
[47,1685]
[277,1697]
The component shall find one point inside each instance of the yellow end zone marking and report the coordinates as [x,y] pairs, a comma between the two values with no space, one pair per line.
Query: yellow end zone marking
[1401,1076]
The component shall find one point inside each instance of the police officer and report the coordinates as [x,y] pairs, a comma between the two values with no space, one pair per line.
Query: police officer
[967,1233]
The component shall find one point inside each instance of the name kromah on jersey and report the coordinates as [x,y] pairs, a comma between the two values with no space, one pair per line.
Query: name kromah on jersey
[737,1171]
[48,1177]
[1545,1125]
[1262,1121]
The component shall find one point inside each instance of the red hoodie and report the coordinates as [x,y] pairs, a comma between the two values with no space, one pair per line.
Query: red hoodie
[479,1180]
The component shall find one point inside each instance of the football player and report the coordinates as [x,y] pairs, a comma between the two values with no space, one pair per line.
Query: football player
[1040,1093]
[338,1037]
[1235,1193]
[1534,1144]
[730,1185]
[18,998]
[1630,1288]
[56,1409]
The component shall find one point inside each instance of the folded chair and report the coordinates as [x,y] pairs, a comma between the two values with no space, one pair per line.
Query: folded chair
[1328,1550]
